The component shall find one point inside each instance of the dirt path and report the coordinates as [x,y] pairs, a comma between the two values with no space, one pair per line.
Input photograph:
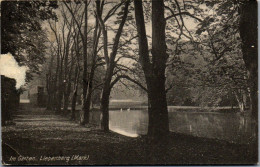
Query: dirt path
[40,137]
[39,133]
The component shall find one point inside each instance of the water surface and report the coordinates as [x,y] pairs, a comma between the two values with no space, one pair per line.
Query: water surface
[232,127]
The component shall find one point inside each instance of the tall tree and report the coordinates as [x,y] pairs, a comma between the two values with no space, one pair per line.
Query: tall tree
[63,32]
[68,52]
[85,116]
[76,76]
[109,59]
[248,29]
[49,82]
[94,63]
[84,39]
[154,69]
[248,33]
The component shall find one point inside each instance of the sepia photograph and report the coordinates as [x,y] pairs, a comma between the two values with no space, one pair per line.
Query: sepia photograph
[129,82]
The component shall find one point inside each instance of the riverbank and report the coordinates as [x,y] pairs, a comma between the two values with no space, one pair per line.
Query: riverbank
[133,106]
[50,139]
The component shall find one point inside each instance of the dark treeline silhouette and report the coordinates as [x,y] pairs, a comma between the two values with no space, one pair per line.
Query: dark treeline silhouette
[10,99]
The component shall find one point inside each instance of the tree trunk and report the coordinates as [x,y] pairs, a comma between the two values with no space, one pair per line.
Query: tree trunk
[89,93]
[150,116]
[159,114]
[73,105]
[55,92]
[53,102]
[240,100]
[65,102]
[248,33]
[105,102]
[110,62]
[60,91]
[49,91]
[66,98]
[84,118]
[92,71]
[68,90]
[75,94]
[85,113]
[159,56]
[158,127]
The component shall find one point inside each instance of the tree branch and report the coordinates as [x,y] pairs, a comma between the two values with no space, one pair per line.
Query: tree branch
[128,78]
[119,31]
[79,26]
[112,11]
[169,88]
[181,13]
[104,31]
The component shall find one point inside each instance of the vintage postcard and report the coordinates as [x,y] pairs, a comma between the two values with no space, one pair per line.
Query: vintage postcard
[129,82]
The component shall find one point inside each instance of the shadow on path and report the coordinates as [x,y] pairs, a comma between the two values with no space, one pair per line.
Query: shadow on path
[40,137]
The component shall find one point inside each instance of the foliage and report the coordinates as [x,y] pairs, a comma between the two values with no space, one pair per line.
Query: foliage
[213,60]
[22,34]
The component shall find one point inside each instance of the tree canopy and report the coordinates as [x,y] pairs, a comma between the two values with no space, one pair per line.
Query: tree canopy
[22,34]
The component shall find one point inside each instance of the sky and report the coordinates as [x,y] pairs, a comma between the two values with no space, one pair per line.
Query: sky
[10,68]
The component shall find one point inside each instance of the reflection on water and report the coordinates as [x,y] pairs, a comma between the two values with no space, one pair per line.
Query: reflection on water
[233,127]
[123,132]
[133,122]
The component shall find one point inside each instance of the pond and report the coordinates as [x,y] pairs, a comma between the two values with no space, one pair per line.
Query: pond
[232,127]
